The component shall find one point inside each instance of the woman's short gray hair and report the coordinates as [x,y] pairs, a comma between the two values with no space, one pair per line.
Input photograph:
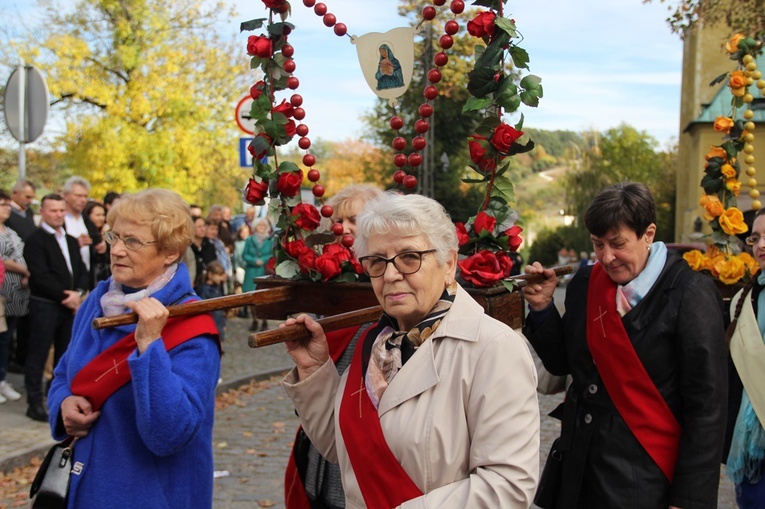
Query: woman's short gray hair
[408,215]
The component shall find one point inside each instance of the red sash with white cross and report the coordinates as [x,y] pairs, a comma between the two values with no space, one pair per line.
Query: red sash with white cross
[109,370]
[634,394]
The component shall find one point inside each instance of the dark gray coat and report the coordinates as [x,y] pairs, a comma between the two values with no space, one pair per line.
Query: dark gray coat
[677,331]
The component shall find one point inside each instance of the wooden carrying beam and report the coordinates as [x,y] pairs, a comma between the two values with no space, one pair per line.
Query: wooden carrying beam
[370,314]
[268,295]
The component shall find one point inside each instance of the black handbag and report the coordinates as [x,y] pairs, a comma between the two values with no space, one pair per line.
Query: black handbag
[550,482]
[50,487]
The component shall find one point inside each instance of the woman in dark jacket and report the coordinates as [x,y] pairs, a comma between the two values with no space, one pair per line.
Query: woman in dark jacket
[643,339]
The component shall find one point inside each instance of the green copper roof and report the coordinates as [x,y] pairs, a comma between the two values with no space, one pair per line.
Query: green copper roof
[720,105]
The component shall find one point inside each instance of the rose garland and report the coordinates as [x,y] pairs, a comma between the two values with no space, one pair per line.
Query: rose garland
[487,238]
[721,182]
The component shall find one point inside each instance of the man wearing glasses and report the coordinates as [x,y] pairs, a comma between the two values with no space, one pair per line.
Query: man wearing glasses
[58,280]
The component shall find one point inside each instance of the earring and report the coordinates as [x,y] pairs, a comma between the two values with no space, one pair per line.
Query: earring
[649,249]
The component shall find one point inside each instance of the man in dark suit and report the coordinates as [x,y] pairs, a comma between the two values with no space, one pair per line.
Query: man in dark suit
[58,281]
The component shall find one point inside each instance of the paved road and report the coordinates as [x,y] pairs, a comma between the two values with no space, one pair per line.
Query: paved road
[253,434]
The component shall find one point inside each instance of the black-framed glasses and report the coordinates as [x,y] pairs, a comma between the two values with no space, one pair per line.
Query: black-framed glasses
[753,240]
[131,243]
[406,263]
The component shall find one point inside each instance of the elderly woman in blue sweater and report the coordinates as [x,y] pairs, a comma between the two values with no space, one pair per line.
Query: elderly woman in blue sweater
[140,399]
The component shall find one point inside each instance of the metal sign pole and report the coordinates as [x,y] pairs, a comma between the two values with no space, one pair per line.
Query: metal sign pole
[22,120]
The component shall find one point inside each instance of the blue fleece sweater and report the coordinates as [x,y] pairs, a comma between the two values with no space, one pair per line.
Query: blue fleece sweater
[152,445]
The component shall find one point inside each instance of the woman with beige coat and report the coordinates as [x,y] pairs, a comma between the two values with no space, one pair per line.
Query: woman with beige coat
[438,407]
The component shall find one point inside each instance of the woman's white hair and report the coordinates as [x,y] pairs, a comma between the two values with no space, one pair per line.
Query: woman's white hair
[408,215]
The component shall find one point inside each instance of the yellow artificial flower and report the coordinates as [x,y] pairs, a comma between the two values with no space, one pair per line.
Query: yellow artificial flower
[715,151]
[732,222]
[732,45]
[737,79]
[713,207]
[723,124]
[695,259]
[731,270]
[733,185]
[749,261]
[728,171]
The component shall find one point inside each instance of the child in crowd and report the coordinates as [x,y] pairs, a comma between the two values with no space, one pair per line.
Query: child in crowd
[214,279]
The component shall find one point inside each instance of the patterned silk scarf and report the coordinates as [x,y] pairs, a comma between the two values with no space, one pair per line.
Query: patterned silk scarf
[386,358]
[113,301]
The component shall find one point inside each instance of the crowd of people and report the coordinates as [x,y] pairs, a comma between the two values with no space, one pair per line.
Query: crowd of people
[432,405]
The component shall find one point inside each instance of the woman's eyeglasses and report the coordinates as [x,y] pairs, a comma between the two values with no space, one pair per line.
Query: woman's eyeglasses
[406,263]
[753,240]
[131,243]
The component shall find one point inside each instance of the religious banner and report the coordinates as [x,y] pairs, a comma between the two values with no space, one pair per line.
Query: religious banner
[387,61]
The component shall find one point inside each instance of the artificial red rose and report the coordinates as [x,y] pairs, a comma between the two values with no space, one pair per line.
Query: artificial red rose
[504,136]
[289,183]
[260,46]
[337,251]
[308,216]
[284,108]
[356,265]
[251,147]
[255,191]
[478,155]
[276,5]
[328,267]
[515,240]
[271,265]
[484,221]
[482,25]
[290,128]
[462,234]
[257,89]
[481,269]
[505,263]
[294,248]
[307,260]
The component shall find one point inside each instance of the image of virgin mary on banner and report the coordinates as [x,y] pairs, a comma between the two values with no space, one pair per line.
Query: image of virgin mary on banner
[387,61]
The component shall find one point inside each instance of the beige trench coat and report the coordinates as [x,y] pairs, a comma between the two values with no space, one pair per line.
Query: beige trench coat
[461,416]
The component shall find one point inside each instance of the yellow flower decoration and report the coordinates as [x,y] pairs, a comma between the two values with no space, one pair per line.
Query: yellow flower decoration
[734,186]
[732,45]
[732,222]
[715,151]
[749,261]
[695,259]
[723,124]
[728,171]
[737,79]
[713,207]
[730,270]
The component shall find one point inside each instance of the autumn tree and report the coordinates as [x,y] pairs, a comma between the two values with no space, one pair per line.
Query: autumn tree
[624,154]
[146,88]
[746,16]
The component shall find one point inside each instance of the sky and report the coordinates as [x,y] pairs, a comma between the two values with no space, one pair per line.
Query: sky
[602,62]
